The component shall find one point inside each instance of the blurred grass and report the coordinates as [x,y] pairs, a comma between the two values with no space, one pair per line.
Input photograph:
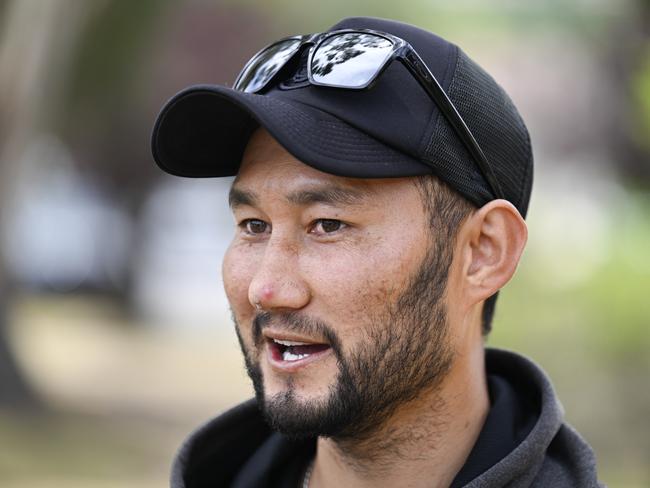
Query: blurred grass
[121,397]
[611,307]
[79,449]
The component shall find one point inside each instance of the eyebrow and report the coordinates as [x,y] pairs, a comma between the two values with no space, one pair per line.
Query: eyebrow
[328,195]
[238,198]
[331,195]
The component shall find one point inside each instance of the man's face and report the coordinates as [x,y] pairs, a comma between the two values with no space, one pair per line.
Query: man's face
[350,286]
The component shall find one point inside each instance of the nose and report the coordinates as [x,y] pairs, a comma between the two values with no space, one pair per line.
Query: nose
[278,283]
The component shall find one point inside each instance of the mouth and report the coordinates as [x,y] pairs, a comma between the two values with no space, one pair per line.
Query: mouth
[289,353]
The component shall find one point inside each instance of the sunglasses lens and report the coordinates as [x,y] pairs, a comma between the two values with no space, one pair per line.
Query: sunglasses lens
[266,65]
[350,60]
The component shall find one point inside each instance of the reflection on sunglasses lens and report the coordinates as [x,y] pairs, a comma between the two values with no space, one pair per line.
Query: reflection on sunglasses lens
[266,65]
[350,60]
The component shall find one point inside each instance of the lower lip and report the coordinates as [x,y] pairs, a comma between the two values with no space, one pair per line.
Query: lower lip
[290,366]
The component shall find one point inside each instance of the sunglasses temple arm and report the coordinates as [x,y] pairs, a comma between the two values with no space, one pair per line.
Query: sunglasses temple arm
[419,69]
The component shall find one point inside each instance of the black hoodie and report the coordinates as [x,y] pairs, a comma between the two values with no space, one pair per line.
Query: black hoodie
[523,442]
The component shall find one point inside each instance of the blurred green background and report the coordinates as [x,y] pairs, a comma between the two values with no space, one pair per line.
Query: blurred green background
[115,337]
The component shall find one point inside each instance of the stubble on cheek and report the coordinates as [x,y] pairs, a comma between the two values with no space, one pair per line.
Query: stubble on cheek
[251,360]
[361,301]
[246,344]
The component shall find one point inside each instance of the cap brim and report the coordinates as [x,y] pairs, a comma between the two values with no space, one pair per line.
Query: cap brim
[203,131]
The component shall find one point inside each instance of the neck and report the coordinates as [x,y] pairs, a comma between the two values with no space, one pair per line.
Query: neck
[424,443]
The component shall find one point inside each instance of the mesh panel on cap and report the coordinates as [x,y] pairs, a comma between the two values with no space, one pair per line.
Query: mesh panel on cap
[499,130]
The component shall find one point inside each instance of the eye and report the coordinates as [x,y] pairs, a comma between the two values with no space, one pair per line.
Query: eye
[254,226]
[327,226]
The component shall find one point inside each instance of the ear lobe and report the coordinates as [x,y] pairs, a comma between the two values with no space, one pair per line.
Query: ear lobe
[497,235]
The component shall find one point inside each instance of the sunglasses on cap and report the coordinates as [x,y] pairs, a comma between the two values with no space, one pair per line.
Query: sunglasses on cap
[354,59]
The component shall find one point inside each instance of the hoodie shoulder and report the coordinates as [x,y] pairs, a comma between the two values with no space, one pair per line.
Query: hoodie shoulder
[569,462]
[553,454]
[213,454]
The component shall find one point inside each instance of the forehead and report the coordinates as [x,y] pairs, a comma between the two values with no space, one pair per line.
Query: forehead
[268,168]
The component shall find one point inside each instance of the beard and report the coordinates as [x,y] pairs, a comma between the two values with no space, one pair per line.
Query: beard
[405,353]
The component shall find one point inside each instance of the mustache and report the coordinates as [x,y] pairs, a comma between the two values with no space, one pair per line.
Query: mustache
[295,322]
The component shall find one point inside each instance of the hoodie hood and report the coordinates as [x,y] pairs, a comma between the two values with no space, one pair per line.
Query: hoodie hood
[553,453]
[524,442]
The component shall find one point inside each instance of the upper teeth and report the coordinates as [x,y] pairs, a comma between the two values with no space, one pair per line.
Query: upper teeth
[291,343]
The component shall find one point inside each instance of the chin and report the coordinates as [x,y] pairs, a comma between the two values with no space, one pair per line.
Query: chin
[303,391]
[295,416]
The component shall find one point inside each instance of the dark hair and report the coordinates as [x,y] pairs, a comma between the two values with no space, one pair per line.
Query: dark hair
[447,209]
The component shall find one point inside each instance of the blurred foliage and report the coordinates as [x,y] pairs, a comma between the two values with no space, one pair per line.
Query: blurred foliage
[611,305]
[107,60]
[103,116]
[446,18]
[641,99]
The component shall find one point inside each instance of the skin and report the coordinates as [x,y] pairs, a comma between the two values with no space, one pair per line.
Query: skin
[286,258]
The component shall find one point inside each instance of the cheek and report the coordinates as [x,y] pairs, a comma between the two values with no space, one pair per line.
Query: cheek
[360,282]
[238,270]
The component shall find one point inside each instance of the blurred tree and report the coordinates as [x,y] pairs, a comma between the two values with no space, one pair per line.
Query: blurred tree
[132,58]
[100,116]
[33,49]
[628,63]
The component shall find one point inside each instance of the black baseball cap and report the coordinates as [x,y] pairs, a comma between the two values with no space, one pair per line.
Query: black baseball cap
[393,129]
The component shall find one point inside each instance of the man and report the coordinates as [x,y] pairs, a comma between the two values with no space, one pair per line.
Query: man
[382,180]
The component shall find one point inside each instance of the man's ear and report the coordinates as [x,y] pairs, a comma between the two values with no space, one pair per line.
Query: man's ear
[493,240]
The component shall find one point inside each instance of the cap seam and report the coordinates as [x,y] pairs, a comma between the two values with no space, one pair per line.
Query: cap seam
[434,120]
[522,184]
[440,119]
